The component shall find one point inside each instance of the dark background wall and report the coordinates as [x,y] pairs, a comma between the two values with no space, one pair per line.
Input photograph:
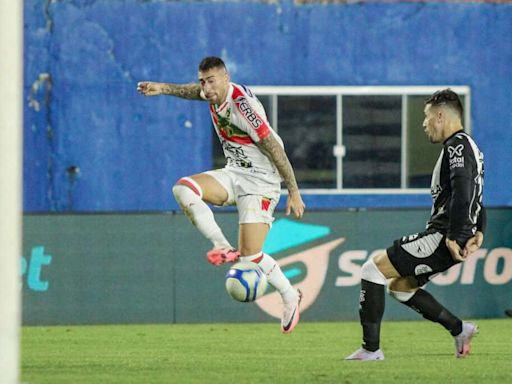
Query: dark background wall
[83,59]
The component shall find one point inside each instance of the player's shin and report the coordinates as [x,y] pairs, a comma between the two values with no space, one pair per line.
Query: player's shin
[275,276]
[425,304]
[371,304]
[199,213]
[371,310]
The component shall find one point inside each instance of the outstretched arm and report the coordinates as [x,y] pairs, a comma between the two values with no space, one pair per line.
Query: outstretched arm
[190,91]
[270,146]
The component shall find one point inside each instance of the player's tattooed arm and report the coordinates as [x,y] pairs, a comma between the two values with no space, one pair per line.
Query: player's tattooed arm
[277,155]
[190,91]
[270,146]
[187,91]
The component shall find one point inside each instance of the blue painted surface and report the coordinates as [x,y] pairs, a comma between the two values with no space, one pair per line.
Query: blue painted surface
[130,149]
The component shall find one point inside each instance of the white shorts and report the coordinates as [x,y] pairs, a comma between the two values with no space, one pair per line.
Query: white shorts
[255,198]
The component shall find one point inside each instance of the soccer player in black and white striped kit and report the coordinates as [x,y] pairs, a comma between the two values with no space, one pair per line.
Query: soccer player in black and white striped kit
[454,231]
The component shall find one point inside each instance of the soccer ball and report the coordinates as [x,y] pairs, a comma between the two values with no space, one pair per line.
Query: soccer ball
[246,282]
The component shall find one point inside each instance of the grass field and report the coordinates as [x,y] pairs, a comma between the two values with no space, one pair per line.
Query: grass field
[416,352]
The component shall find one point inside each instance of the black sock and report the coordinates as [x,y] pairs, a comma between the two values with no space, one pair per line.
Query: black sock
[424,303]
[371,310]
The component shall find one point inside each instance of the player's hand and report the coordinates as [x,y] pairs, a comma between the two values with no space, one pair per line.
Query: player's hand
[148,88]
[457,253]
[295,204]
[473,244]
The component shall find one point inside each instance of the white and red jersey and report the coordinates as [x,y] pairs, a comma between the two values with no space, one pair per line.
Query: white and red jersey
[240,122]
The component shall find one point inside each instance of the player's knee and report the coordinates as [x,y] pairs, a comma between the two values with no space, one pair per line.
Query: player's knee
[370,272]
[400,296]
[401,289]
[184,186]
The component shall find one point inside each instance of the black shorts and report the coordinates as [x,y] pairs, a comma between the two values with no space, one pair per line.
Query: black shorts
[421,255]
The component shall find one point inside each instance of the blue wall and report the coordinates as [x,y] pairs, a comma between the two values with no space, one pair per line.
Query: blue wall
[131,149]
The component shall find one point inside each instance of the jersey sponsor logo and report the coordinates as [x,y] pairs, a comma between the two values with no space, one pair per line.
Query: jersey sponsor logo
[456,162]
[248,112]
[455,151]
[456,158]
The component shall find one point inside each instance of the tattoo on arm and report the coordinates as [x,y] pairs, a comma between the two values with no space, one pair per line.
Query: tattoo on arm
[186,91]
[277,155]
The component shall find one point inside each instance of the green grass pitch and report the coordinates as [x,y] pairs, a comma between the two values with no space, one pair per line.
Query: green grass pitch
[415,351]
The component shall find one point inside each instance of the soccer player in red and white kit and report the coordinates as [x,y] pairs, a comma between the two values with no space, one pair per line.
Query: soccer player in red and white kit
[251,179]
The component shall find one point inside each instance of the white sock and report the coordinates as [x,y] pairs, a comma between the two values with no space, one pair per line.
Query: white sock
[275,276]
[199,213]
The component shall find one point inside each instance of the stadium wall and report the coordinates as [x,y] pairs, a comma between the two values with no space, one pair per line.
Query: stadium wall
[92,144]
[151,268]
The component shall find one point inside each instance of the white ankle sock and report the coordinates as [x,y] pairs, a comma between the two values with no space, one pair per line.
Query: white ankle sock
[275,276]
[199,213]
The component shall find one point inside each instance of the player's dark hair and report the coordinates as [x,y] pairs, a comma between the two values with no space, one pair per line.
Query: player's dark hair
[211,62]
[446,97]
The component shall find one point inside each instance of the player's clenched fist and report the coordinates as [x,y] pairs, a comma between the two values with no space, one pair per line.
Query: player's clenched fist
[148,88]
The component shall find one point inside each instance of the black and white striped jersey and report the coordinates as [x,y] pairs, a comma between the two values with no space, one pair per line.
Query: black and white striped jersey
[456,188]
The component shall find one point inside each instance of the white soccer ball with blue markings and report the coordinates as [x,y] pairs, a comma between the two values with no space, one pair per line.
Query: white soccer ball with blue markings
[246,282]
